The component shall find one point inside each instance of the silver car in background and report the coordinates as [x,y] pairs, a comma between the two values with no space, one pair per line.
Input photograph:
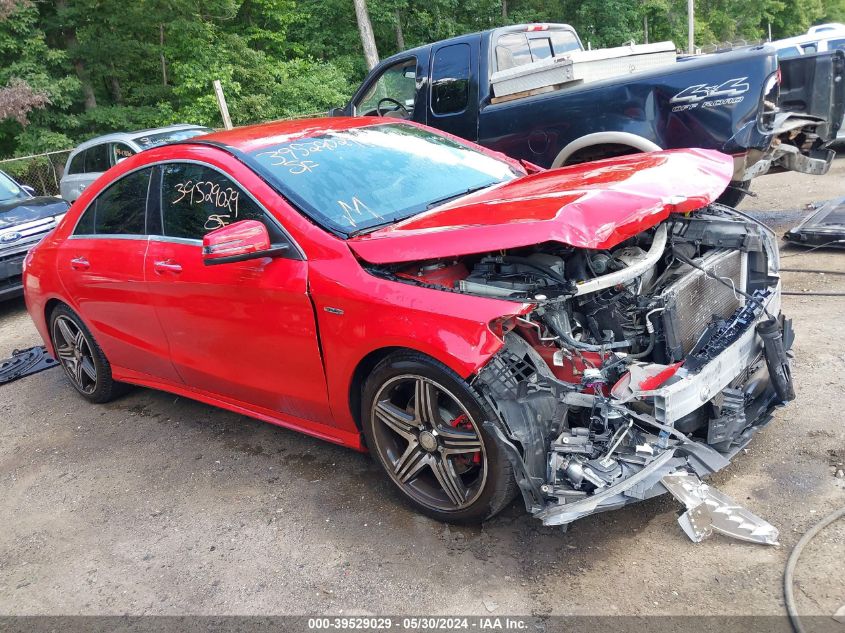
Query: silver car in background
[88,161]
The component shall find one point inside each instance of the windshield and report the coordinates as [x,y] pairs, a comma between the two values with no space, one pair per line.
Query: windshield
[151,140]
[9,189]
[353,180]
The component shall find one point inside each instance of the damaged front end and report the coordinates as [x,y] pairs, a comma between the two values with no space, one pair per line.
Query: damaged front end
[639,369]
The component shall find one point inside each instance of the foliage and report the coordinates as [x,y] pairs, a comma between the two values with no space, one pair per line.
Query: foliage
[73,69]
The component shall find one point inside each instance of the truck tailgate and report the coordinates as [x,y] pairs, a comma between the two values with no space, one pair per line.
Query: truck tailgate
[814,85]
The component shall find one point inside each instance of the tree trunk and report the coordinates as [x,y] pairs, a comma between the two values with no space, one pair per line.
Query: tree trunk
[90,100]
[161,54]
[504,9]
[365,27]
[400,37]
[114,84]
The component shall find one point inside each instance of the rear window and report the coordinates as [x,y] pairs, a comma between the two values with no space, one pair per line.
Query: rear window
[353,180]
[517,49]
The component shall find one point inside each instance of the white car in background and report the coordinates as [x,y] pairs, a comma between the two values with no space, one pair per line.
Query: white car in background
[818,39]
[87,162]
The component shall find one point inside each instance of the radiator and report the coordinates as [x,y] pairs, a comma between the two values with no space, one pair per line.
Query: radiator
[695,300]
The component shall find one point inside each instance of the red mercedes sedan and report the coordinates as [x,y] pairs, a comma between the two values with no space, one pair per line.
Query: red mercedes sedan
[483,327]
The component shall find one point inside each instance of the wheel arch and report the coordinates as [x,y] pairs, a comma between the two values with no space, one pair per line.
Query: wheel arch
[367,364]
[363,370]
[598,139]
[49,306]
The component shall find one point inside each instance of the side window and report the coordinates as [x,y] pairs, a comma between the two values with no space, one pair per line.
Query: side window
[809,48]
[119,151]
[97,158]
[196,199]
[399,83]
[77,164]
[834,45]
[120,209]
[450,79]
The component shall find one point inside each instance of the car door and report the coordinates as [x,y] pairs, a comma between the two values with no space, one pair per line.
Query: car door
[101,266]
[244,332]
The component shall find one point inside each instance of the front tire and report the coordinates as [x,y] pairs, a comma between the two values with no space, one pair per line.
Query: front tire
[423,424]
[83,361]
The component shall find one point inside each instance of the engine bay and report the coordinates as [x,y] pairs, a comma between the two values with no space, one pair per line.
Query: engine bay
[595,383]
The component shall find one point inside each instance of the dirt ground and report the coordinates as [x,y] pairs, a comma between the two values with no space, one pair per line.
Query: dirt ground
[159,505]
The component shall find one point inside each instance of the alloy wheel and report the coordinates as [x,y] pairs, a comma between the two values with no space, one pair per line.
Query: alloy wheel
[429,442]
[74,352]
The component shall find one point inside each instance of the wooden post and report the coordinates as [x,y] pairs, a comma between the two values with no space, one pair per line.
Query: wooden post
[221,103]
[691,27]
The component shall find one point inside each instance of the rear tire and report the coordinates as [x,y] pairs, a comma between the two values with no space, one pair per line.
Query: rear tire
[423,425]
[84,363]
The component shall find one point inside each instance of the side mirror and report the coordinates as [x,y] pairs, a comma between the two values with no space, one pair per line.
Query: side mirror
[247,239]
[29,190]
[338,111]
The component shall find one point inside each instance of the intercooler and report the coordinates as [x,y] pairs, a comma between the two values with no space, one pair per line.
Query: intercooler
[695,300]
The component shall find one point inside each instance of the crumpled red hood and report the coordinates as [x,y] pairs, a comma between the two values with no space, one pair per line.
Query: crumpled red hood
[593,205]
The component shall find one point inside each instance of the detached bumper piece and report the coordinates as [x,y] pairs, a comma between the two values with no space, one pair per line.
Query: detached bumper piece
[824,227]
[709,510]
[25,362]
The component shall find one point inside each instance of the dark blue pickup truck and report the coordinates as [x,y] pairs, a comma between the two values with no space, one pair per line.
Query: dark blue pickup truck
[608,103]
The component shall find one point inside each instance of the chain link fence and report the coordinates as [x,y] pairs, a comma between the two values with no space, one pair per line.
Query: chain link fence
[42,172]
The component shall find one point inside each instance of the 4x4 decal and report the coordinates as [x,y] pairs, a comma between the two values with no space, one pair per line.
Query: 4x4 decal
[727,93]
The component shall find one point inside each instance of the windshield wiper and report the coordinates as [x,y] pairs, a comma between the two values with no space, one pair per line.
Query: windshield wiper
[430,205]
[375,227]
[455,196]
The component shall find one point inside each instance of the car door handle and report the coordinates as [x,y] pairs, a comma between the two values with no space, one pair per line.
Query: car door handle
[80,263]
[167,266]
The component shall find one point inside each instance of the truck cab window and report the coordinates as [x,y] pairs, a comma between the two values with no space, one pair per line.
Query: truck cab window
[541,48]
[564,42]
[512,50]
[393,94]
[517,49]
[450,79]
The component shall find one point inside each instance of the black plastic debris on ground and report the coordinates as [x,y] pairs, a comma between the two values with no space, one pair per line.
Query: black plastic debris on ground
[823,227]
[24,362]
